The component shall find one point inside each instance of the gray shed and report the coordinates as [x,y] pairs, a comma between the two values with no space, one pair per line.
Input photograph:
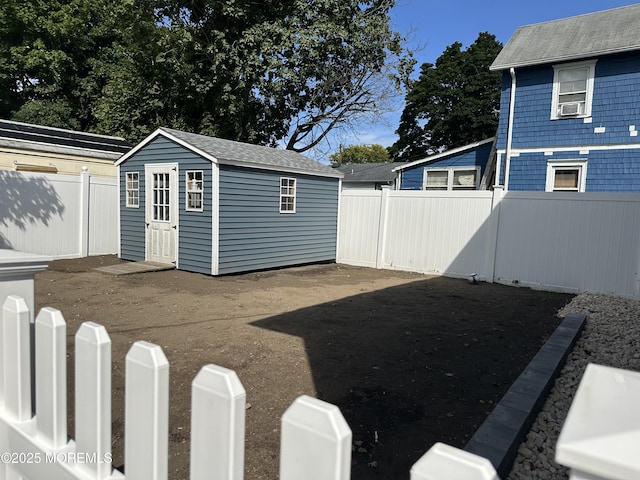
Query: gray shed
[217,206]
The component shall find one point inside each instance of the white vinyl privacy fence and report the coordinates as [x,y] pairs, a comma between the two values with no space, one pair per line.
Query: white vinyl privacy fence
[570,242]
[58,215]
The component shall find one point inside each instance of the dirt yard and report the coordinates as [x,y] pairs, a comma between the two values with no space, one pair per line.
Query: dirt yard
[409,359]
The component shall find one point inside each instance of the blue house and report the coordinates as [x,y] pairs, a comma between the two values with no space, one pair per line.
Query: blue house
[463,168]
[216,206]
[570,108]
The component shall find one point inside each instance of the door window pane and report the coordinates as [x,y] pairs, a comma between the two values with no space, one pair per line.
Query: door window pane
[161,197]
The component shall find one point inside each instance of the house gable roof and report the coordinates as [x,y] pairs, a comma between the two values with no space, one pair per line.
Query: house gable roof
[25,136]
[368,172]
[445,154]
[229,152]
[584,36]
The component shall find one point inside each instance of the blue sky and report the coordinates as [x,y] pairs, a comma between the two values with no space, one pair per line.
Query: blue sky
[436,24]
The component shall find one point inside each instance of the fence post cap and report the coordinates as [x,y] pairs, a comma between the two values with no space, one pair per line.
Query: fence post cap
[149,354]
[219,380]
[444,462]
[15,304]
[16,262]
[602,429]
[93,332]
[317,415]
[50,317]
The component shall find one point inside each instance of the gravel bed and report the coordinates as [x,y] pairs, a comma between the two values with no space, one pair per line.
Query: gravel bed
[611,337]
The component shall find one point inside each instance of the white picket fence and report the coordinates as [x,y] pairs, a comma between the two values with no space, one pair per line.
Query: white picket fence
[315,443]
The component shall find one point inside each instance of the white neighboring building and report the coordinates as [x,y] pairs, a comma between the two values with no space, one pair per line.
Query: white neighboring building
[35,148]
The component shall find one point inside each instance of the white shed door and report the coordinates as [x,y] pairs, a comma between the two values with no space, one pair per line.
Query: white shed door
[161,212]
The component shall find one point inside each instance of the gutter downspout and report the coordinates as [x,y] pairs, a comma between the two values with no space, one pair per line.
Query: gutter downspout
[512,106]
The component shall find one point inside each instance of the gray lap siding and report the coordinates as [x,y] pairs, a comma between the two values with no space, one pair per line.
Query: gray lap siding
[194,228]
[195,237]
[253,234]
[132,220]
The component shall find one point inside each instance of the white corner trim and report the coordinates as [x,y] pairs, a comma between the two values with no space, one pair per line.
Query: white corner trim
[215,218]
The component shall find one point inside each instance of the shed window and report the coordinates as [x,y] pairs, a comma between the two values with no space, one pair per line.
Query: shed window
[287,195]
[451,178]
[566,176]
[572,90]
[133,189]
[194,190]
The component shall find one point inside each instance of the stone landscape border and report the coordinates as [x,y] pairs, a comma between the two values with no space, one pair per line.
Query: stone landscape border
[499,437]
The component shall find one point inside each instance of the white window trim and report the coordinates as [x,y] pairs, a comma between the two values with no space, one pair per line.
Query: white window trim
[295,193]
[591,65]
[188,190]
[450,174]
[581,165]
[127,190]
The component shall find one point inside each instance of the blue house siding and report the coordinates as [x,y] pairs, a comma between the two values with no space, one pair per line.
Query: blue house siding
[615,114]
[412,177]
[253,234]
[607,170]
[194,238]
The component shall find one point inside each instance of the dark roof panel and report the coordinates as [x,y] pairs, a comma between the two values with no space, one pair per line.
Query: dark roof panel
[23,132]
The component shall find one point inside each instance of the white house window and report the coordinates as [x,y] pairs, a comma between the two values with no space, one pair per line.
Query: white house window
[566,176]
[572,90]
[436,179]
[194,190]
[465,179]
[287,195]
[133,189]
[451,178]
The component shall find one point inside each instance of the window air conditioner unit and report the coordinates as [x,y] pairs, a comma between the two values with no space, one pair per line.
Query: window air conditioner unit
[570,109]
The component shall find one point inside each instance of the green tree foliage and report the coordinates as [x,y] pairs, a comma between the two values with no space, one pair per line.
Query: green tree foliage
[361,154]
[452,103]
[144,83]
[268,72]
[48,55]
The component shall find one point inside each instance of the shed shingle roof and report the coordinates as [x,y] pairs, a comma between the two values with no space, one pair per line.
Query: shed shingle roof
[584,36]
[243,154]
